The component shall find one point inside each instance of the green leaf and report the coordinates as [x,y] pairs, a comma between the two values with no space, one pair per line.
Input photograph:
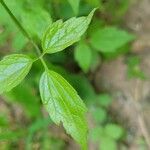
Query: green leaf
[96,133]
[83,56]
[104,99]
[64,105]
[94,3]
[61,34]
[19,42]
[13,69]
[99,115]
[109,39]
[114,131]
[36,21]
[75,5]
[107,143]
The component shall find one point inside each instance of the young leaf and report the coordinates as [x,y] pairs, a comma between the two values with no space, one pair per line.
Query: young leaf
[13,69]
[83,56]
[75,5]
[109,39]
[61,34]
[64,105]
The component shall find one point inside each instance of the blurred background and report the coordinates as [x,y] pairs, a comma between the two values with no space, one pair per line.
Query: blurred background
[109,67]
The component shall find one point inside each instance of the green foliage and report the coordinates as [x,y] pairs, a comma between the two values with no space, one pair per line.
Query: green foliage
[25,94]
[116,9]
[11,135]
[85,89]
[37,125]
[83,56]
[114,131]
[61,35]
[105,133]
[107,143]
[13,69]
[94,3]
[59,97]
[50,143]
[64,105]
[134,70]
[104,100]
[110,39]
[102,40]
[107,136]
[96,133]
[99,115]
[35,21]
[75,5]
[3,120]
[18,42]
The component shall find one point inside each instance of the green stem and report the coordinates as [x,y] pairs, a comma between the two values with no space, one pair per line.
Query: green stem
[24,32]
[14,19]
[44,63]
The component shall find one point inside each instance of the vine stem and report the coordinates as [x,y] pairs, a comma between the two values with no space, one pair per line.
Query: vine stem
[24,32]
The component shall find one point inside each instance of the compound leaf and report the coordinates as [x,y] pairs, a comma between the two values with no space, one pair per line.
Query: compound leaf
[61,34]
[64,105]
[13,69]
